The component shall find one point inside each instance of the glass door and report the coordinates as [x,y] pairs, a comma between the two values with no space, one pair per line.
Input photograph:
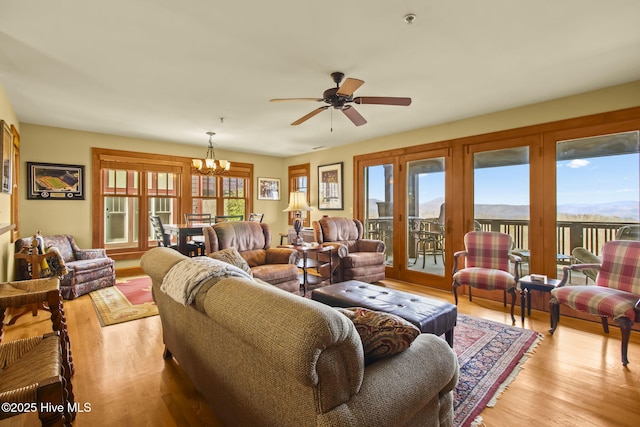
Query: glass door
[378,206]
[426,252]
[501,194]
[597,196]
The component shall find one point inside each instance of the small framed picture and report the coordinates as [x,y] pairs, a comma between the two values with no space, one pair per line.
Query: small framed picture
[51,181]
[330,186]
[268,189]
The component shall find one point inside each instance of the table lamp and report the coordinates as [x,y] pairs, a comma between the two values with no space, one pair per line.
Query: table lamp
[297,204]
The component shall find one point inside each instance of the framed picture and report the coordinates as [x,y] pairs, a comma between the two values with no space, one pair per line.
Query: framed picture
[51,181]
[6,156]
[330,186]
[268,189]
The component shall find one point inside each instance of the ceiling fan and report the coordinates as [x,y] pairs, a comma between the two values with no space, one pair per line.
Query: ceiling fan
[341,96]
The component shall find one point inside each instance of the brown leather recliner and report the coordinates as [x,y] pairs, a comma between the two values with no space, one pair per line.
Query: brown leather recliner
[277,266]
[358,258]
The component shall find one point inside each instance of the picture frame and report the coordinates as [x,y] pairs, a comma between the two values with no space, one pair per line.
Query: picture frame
[54,181]
[6,157]
[269,189]
[330,187]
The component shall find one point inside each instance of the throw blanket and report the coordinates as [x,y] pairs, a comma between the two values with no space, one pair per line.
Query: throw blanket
[183,281]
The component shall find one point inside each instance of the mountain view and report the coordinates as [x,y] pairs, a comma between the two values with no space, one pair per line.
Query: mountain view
[623,211]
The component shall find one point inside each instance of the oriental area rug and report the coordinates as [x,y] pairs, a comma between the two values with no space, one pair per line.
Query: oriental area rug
[127,300]
[490,355]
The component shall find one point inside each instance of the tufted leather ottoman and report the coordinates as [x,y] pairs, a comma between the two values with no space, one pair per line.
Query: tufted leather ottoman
[429,315]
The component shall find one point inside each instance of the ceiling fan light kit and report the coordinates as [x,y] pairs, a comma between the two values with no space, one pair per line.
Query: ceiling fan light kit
[341,96]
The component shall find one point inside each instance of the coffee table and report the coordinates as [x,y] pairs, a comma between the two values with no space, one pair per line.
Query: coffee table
[527,285]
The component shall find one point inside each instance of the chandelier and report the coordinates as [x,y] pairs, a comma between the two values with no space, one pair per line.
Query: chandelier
[210,165]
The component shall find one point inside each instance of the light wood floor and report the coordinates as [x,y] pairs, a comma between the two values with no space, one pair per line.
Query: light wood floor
[574,378]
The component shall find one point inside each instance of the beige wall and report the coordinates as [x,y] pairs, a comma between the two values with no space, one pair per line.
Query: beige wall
[54,145]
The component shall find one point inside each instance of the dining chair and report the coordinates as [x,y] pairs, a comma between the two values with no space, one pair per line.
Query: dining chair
[615,295]
[164,239]
[257,217]
[487,260]
[195,220]
[198,219]
[222,218]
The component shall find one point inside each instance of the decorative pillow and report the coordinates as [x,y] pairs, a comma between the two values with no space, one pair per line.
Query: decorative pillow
[233,257]
[382,334]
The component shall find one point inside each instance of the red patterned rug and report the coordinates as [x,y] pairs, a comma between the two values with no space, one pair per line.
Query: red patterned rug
[127,300]
[490,355]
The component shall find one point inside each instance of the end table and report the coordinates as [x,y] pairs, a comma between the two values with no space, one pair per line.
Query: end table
[527,285]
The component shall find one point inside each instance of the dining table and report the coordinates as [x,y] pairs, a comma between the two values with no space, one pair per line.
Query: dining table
[183,232]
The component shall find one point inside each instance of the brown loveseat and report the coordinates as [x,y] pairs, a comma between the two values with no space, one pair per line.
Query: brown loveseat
[358,258]
[277,266]
[264,357]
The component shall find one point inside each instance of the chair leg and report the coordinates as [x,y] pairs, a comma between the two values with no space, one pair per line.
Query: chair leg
[554,315]
[625,329]
[605,324]
[454,286]
[512,291]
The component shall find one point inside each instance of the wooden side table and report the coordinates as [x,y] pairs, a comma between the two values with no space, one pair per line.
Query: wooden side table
[306,263]
[38,292]
[527,285]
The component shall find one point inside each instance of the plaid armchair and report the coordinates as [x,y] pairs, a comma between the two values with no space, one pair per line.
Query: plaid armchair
[486,265]
[616,293]
[87,269]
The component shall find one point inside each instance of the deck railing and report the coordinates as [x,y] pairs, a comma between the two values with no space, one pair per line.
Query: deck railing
[569,234]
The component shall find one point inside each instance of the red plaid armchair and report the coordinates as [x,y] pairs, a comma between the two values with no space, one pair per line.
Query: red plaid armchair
[486,265]
[616,293]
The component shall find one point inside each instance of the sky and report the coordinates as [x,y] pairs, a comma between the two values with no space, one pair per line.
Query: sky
[593,180]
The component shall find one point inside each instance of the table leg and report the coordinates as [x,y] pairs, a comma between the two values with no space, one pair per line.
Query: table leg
[523,296]
[304,273]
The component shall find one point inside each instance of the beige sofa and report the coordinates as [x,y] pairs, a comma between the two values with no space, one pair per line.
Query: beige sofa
[264,357]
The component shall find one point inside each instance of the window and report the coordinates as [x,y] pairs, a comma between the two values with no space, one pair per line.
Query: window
[219,195]
[299,181]
[128,187]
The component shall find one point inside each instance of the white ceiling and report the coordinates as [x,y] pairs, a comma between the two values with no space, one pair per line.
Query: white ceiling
[168,70]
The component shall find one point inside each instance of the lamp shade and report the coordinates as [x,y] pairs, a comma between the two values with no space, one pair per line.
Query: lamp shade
[297,202]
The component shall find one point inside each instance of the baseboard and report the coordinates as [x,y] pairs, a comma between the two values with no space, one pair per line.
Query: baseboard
[128,272]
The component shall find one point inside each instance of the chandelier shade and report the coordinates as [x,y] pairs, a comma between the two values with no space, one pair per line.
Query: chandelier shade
[210,165]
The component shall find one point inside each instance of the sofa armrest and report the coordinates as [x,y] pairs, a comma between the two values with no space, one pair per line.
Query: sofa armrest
[282,256]
[90,254]
[411,380]
[370,245]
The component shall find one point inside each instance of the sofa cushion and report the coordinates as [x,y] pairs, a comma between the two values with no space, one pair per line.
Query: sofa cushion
[382,334]
[233,257]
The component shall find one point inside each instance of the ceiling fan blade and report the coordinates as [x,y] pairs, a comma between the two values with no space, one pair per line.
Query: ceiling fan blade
[353,115]
[308,116]
[295,99]
[383,100]
[349,86]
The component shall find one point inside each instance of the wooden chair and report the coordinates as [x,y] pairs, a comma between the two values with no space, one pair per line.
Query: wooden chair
[615,295]
[486,265]
[34,373]
[44,293]
[192,219]
[257,217]
[164,239]
[223,218]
